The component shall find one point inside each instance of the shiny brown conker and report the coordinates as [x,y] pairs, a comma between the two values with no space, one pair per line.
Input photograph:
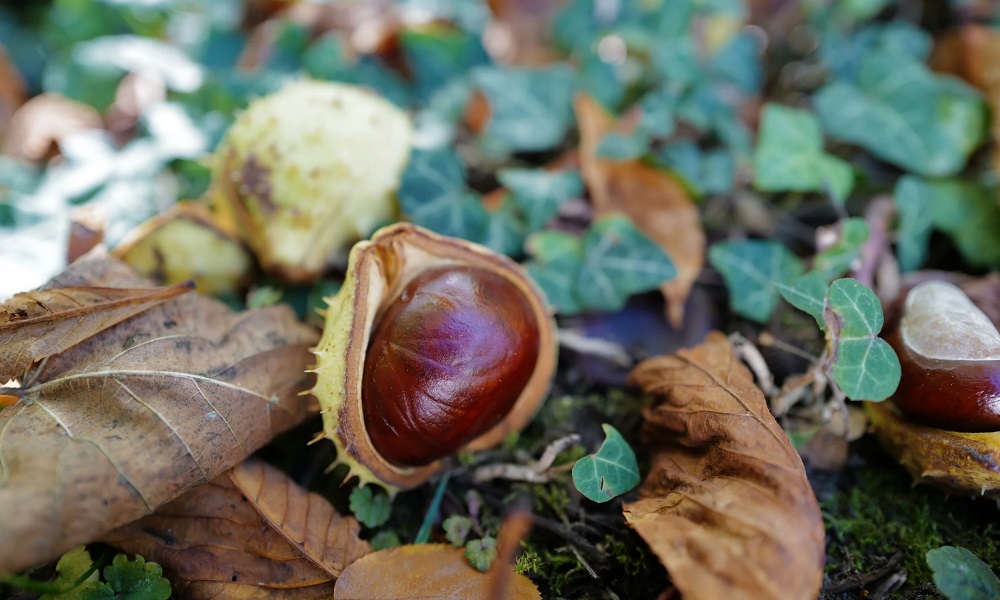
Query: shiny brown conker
[949,354]
[446,362]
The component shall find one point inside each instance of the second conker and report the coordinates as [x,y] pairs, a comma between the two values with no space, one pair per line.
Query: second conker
[432,345]
[949,353]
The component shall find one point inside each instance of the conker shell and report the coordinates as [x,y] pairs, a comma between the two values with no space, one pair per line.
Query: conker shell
[399,264]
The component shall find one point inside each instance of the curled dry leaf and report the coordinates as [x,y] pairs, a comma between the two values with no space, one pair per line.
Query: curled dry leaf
[726,506]
[656,203]
[211,542]
[424,571]
[141,412]
[519,32]
[36,325]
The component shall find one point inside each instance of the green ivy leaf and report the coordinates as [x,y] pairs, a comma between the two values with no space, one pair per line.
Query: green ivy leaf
[70,568]
[433,194]
[505,230]
[901,112]
[530,109]
[751,268]
[136,579]
[540,193]
[836,260]
[865,366]
[961,575]
[372,509]
[914,200]
[558,258]
[790,156]
[806,293]
[481,553]
[437,54]
[618,261]
[969,214]
[705,172]
[608,473]
[456,529]
[385,539]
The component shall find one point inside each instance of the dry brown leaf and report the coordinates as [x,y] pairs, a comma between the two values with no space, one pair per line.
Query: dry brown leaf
[423,571]
[39,124]
[726,506]
[36,325]
[519,32]
[211,542]
[141,412]
[13,92]
[655,202]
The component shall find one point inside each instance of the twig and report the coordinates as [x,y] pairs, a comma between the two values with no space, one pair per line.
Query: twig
[860,581]
[535,472]
[609,351]
[749,354]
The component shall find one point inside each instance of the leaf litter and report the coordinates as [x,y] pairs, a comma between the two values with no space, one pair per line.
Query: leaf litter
[126,420]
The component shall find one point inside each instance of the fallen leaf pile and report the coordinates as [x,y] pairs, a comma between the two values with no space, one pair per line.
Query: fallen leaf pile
[123,413]
[726,506]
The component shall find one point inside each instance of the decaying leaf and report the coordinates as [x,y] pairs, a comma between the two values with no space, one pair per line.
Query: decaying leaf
[36,325]
[651,197]
[249,533]
[141,412]
[39,124]
[726,506]
[424,571]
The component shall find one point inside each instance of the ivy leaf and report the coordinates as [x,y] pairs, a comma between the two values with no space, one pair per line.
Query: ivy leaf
[505,230]
[751,268]
[961,575]
[902,113]
[806,293]
[619,261]
[456,529]
[481,553]
[370,508]
[969,214]
[540,193]
[865,366]
[433,195]
[914,201]
[836,260]
[385,539]
[530,109]
[790,156]
[558,258]
[437,54]
[70,568]
[623,147]
[610,472]
[706,173]
[136,579]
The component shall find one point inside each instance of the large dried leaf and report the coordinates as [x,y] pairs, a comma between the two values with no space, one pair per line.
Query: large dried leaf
[212,543]
[657,204]
[35,325]
[424,571]
[726,506]
[141,412]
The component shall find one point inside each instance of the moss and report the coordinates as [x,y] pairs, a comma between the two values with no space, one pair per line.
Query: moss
[875,513]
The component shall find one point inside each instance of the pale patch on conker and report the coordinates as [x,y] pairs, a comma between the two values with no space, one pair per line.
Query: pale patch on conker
[941,323]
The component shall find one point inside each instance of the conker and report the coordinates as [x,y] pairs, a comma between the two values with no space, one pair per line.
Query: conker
[446,362]
[432,345]
[949,353]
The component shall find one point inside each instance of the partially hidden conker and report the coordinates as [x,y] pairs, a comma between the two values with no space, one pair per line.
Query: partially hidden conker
[943,422]
[432,345]
[949,353]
